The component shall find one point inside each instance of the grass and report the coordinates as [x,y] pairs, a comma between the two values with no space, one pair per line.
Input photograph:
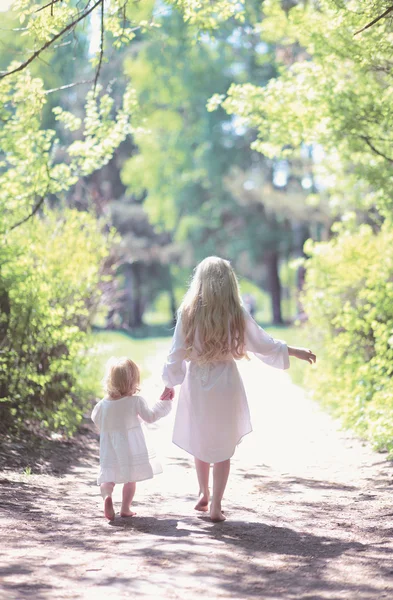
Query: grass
[117,343]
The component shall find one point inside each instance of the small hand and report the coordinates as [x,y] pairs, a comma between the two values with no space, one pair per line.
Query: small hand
[167,394]
[305,354]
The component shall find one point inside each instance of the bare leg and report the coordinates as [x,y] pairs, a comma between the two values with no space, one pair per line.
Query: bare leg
[128,495]
[220,478]
[203,471]
[106,493]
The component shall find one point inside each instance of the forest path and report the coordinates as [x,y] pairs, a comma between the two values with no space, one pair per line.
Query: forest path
[310,515]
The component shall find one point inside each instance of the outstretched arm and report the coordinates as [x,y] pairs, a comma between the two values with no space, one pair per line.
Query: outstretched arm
[269,350]
[302,354]
[150,415]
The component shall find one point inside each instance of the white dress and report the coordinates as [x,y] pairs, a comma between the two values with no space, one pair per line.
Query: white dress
[124,453]
[212,414]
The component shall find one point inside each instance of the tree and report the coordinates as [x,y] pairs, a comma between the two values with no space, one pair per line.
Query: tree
[188,161]
[339,99]
[143,261]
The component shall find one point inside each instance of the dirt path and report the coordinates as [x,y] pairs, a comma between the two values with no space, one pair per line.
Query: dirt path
[310,516]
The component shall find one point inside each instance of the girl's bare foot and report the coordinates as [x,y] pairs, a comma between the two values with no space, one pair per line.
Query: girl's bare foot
[108,509]
[216,514]
[127,513]
[203,503]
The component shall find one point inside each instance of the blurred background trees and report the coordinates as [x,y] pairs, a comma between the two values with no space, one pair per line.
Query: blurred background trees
[201,179]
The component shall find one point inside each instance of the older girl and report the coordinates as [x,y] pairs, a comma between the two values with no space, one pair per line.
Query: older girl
[213,329]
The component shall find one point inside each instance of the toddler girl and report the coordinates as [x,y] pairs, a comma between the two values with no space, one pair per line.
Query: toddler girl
[124,456]
[213,329]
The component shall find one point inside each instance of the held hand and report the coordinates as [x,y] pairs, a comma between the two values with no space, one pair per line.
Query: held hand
[305,354]
[167,394]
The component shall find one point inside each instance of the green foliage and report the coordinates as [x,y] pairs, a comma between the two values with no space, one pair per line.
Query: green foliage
[51,258]
[209,15]
[49,293]
[50,266]
[349,299]
[335,89]
[30,168]
[58,66]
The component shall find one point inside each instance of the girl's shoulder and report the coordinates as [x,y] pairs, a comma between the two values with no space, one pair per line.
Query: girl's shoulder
[125,405]
[119,400]
[132,402]
[137,398]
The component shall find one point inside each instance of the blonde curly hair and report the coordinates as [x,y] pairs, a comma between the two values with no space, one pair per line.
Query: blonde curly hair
[213,306]
[122,378]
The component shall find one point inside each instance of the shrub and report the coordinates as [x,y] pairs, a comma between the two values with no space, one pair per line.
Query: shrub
[49,291]
[349,300]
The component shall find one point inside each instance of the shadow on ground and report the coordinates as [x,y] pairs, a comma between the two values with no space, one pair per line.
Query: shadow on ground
[37,454]
[235,559]
[287,537]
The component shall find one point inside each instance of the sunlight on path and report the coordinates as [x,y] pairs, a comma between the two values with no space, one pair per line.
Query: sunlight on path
[309,511]
[291,434]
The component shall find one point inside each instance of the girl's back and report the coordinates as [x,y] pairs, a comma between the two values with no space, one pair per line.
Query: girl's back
[213,329]
[212,315]
[118,415]
[124,455]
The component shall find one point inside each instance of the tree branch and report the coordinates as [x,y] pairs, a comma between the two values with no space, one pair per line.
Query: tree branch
[67,86]
[51,3]
[384,14]
[374,149]
[30,215]
[50,42]
[101,46]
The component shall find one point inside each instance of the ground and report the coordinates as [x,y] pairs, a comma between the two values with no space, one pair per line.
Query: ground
[310,515]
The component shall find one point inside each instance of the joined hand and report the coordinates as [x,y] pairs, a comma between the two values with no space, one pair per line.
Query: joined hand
[167,394]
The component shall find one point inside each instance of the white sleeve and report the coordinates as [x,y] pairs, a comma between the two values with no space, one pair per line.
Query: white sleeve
[272,352]
[96,415]
[159,410]
[175,367]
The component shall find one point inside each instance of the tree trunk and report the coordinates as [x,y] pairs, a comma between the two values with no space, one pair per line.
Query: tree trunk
[137,300]
[172,298]
[272,259]
[5,311]
[301,233]
[132,305]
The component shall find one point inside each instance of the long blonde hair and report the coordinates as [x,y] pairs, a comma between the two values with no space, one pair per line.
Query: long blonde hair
[122,378]
[212,305]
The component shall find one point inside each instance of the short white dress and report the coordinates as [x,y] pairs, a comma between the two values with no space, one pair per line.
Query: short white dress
[212,413]
[124,454]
